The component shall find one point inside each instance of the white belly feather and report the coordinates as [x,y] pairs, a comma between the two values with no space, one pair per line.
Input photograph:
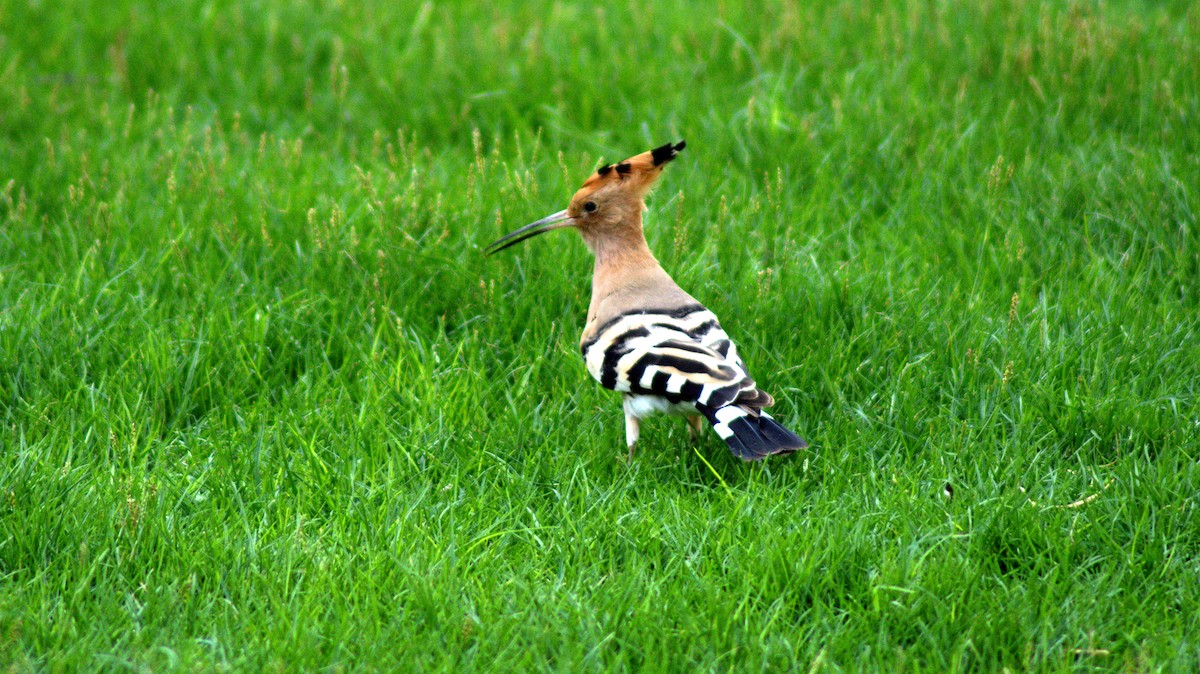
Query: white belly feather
[643,405]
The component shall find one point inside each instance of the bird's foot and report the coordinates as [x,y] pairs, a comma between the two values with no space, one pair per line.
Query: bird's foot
[695,424]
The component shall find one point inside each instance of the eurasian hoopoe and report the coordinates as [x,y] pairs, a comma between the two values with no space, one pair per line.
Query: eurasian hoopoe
[645,336]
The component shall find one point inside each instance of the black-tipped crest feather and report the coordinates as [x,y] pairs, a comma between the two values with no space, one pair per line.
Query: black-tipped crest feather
[666,153]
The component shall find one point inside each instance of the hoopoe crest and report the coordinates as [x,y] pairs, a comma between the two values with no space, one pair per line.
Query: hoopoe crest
[645,337]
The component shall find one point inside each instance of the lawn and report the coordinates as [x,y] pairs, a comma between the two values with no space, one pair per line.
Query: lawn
[266,406]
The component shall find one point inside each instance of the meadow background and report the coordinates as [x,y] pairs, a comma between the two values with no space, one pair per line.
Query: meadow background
[265,406]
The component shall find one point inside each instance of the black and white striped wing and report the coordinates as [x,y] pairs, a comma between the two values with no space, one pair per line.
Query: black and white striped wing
[681,355]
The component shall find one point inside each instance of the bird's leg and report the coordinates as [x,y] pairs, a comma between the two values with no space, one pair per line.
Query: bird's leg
[695,427]
[632,427]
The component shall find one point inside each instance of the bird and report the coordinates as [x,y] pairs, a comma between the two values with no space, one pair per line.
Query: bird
[645,337]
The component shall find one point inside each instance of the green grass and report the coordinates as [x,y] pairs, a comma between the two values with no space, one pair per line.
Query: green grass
[266,406]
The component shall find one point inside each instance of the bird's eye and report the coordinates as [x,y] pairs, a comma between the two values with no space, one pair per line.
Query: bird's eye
[590,207]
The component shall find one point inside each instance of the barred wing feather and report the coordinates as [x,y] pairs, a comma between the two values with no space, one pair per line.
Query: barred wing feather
[681,355]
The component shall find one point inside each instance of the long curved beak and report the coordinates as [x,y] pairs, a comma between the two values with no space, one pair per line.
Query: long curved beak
[556,221]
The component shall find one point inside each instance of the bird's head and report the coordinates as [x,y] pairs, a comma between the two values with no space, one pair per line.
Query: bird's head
[610,199]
